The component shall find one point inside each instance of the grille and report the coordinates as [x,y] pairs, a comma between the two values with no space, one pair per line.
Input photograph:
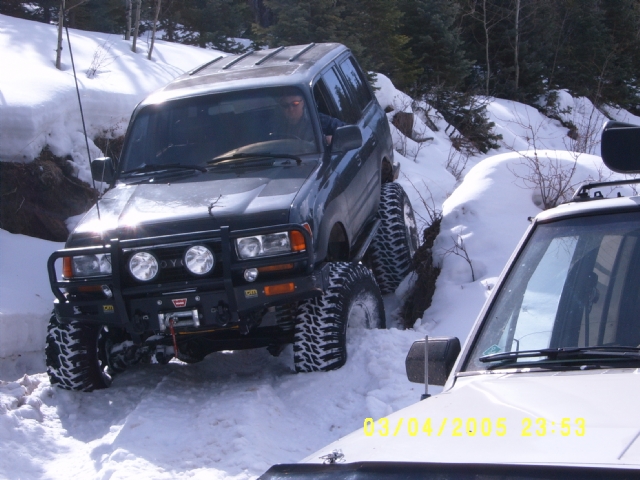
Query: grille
[172,268]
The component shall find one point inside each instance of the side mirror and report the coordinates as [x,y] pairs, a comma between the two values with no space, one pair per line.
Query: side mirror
[443,352]
[102,170]
[620,147]
[345,138]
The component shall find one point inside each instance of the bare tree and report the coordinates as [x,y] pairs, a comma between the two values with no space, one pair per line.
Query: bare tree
[60,27]
[457,158]
[490,15]
[460,249]
[155,23]
[61,14]
[429,203]
[127,33]
[136,27]
[550,178]
[517,44]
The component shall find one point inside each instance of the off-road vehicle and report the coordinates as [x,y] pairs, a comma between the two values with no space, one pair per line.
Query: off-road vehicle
[546,385]
[227,225]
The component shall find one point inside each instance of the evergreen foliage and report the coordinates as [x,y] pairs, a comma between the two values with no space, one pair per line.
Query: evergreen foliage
[444,50]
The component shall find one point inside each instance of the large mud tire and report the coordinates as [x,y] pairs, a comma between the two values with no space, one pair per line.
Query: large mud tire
[352,300]
[76,356]
[391,252]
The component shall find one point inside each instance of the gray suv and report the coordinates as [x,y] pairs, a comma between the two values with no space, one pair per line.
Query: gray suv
[253,205]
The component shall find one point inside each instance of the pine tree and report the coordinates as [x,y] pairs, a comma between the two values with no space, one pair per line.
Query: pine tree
[300,22]
[622,18]
[372,31]
[435,43]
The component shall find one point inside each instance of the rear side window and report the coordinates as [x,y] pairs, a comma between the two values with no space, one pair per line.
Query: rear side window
[345,109]
[356,81]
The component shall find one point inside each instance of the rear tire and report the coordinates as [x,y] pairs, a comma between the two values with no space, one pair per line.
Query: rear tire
[76,356]
[352,299]
[391,252]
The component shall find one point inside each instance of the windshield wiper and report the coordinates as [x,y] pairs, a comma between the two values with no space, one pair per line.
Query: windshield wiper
[162,168]
[244,156]
[566,353]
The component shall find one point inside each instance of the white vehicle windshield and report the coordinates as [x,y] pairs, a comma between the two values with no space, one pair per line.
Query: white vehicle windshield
[574,288]
[194,131]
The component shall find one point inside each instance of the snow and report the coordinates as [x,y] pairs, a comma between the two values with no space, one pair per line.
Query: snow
[236,413]
[39,103]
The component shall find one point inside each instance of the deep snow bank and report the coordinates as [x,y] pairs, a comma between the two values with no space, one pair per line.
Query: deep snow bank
[486,216]
[38,103]
[25,296]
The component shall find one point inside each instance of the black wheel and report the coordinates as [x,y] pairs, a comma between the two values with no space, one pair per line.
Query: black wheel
[391,252]
[76,356]
[352,300]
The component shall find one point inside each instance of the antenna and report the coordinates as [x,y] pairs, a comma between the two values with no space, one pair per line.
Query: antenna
[84,128]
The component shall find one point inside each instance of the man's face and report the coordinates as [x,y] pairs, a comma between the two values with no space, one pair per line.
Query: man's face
[293,107]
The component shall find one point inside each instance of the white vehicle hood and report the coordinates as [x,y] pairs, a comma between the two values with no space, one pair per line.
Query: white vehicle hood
[607,400]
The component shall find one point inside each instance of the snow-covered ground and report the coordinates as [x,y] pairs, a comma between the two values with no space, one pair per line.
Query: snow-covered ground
[236,413]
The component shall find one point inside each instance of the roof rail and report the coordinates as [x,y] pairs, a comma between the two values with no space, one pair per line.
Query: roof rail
[268,56]
[241,57]
[302,52]
[205,65]
[582,193]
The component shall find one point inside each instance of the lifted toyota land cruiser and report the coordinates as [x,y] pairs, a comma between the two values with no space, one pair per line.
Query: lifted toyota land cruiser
[250,194]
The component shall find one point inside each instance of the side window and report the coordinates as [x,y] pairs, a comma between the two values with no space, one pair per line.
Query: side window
[357,82]
[346,111]
[321,97]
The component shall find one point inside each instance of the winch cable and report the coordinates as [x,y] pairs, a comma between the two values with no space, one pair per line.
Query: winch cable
[173,336]
[84,128]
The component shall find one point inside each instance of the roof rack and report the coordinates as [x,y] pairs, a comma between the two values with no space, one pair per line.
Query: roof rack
[205,65]
[268,56]
[582,193]
[241,57]
[302,52]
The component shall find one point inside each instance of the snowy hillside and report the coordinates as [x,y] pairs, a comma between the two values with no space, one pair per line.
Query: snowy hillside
[236,413]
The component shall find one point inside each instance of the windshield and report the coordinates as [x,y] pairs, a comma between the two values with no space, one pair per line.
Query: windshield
[193,131]
[575,286]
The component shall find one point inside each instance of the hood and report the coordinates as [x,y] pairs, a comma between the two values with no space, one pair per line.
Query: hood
[238,198]
[606,400]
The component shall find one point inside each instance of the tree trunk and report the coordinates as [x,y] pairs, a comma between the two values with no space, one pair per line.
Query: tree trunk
[155,22]
[486,46]
[517,65]
[127,33]
[136,26]
[60,26]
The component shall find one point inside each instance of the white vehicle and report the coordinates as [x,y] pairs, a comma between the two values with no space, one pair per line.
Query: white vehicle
[548,382]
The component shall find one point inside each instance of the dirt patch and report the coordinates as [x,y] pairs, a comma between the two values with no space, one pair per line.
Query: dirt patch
[421,294]
[112,147]
[37,197]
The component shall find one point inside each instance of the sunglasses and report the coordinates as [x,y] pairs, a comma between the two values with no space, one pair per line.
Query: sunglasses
[287,105]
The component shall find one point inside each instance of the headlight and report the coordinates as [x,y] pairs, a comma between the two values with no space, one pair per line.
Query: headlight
[263,245]
[143,266]
[199,260]
[91,265]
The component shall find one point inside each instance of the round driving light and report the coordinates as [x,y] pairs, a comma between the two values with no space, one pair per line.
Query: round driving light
[251,274]
[199,260]
[143,266]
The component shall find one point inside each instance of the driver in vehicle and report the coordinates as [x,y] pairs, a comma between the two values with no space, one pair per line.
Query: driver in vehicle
[296,122]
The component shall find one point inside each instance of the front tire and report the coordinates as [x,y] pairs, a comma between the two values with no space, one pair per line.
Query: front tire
[76,356]
[392,249]
[352,299]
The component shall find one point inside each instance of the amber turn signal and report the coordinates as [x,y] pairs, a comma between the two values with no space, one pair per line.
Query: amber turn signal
[279,289]
[276,268]
[67,269]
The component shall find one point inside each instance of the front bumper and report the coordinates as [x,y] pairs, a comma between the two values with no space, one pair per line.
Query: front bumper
[216,301]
